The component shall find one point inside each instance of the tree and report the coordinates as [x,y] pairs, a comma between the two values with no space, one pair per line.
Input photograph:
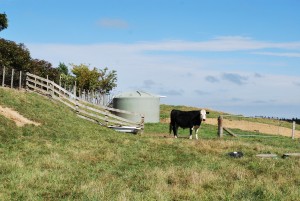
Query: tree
[44,68]
[67,80]
[14,55]
[3,21]
[107,80]
[101,80]
[63,68]
[17,56]
[82,74]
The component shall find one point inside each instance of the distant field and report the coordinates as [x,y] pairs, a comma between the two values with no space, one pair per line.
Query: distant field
[257,125]
[64,157]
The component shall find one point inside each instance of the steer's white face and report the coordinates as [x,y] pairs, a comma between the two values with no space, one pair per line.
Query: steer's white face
[203,115]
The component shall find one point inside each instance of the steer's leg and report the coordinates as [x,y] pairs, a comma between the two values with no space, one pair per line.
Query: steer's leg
[194,128]
[196,131]
[175,130]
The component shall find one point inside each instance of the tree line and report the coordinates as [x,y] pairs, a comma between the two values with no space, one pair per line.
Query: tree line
[17,56]
[290,120]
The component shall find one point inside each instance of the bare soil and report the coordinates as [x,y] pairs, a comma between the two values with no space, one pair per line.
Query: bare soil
[16,117]
[255,127]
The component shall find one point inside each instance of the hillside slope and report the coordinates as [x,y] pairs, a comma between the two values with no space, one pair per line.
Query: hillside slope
[68,158]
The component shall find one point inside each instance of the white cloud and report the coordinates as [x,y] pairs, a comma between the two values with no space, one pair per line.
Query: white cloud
[220,44]
[186,79]
[229,44]
[280,54]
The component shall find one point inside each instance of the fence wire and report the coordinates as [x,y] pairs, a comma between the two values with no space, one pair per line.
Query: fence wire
[258,126]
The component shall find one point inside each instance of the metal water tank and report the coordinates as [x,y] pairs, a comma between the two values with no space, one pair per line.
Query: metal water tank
[138,102]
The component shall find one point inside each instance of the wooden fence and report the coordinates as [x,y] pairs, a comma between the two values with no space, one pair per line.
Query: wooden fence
[102,115]
[95,97]
[12,78]
[17,79]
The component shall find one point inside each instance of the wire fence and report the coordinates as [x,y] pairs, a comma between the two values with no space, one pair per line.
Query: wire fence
[241,126]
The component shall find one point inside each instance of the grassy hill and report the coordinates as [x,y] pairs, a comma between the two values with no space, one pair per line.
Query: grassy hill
[68,158]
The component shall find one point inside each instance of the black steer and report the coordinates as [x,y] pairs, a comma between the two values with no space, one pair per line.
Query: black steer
[187,119]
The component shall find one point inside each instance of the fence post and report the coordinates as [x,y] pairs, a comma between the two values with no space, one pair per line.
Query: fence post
[47,83]
[34,83]
[52,90]
[106,117]
[293,130]
[26,87]
[76,106]
[3,76]
[20,81]
[12,78]
[220,126]
[74,90]
[142,124]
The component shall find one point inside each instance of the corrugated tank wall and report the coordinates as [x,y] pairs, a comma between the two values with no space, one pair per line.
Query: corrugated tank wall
[138,102]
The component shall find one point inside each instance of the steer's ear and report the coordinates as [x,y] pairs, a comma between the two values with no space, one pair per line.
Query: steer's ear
[207,112]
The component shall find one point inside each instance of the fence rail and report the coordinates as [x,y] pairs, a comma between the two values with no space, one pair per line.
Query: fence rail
[272,127]
[13,78]
[100,114]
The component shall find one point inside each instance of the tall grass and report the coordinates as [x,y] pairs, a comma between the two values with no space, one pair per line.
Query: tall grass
[67,158]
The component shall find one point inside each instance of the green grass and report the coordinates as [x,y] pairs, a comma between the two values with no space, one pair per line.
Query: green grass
[68,158]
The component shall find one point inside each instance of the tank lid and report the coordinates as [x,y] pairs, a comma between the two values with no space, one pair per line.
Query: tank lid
[136,94]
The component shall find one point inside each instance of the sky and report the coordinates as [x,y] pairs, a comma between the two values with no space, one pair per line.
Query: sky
[236,56]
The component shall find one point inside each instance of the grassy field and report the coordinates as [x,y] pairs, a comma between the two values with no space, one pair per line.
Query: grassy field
[67,158]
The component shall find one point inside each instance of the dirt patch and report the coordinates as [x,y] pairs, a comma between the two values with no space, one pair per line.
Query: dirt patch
[16,117]
[255,127]
[250,126]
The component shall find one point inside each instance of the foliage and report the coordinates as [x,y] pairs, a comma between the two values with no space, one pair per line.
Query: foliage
[67,80]
[13,55]
[68,158]
[100,80]
[3,21]
[63,69]
[17,56]
[43,68]
[82,74]
[107,80]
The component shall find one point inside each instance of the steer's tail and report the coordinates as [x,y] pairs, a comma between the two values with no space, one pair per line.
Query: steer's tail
[170,128]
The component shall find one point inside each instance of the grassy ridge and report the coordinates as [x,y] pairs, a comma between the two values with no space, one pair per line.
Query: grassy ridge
[67,158]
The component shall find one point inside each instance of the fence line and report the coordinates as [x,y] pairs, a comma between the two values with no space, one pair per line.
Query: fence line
[100,114]
[223,127]
[95,97]
[11,79]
